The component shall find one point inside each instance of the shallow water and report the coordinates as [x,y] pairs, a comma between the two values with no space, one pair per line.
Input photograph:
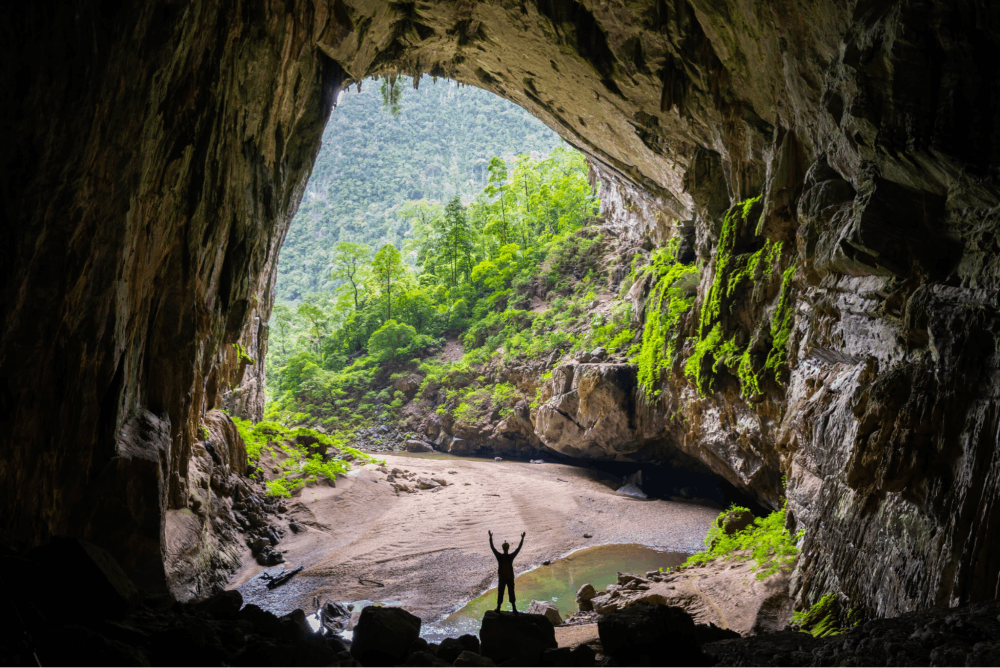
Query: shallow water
[557,583]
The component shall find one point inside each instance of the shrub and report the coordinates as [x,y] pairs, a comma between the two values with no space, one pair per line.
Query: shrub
[766,541]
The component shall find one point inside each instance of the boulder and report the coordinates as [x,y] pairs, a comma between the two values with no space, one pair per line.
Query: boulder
[604,604]
[585,593]
[632,486]
[706,633]
[468,658]
[460,446]
[547,608]
[424,658]
[335,616]
[450,648]
[506,636]
[666,634]
[382,636]
[416,445]
[425,483]
[733,520]
[225,604]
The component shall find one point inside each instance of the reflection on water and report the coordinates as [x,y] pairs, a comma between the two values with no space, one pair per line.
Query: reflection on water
[558,583]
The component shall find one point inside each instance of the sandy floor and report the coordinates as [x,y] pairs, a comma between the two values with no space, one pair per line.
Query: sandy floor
[430,549]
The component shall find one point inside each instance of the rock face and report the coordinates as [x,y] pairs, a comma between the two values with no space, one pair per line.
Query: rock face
[158,155]
[659,632]
[506,636]
[382,636]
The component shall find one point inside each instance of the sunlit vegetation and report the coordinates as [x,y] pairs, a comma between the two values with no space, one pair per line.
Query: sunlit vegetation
[766,541]
[473,273]
[301,455]
[438,145]
[826,617]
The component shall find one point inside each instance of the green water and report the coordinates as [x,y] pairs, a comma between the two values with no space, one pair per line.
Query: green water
[558,583]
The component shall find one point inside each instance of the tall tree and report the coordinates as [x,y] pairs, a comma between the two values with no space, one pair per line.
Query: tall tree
[456,237]
[388,269]
[348,260]
[495,188]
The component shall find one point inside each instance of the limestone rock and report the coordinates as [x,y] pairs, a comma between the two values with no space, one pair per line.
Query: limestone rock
[383,635]
[653,630]
[450,648]
[548,609]
[128,275]
[414,445]
[506,636]
[468,658]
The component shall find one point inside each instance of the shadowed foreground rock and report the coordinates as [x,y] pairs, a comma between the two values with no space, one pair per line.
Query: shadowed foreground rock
[383,636]
[521,637]
[651,635]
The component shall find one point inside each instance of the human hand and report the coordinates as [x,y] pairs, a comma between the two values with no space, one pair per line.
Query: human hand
[522,534]
[491,533]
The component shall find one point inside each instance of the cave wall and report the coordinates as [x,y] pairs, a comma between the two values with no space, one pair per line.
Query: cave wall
[157,154]
[158,151]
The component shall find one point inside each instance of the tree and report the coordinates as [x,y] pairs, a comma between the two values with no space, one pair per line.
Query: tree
[348,260]
[389,339]
[282,317]
[317,320]
[388,269]
[456,237]
[495,188]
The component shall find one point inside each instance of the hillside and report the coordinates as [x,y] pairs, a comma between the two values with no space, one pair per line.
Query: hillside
[371,163]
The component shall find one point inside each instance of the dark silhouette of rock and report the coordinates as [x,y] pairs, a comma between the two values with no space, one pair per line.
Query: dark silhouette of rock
[665,634]
[506,636]
[468,658]
[706,633]
[382,636]
[72,565]
[450,648]
[424,658]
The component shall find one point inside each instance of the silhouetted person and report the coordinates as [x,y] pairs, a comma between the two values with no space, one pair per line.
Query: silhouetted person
[506,564]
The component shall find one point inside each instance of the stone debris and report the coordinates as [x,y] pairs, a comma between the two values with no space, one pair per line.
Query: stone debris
[546,608]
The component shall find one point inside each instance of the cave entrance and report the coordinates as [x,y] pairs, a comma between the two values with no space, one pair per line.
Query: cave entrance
[447,255]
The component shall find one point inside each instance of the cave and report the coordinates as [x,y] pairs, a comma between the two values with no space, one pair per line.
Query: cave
[157,151]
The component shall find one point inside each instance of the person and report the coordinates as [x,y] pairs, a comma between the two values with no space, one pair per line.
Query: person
[506,566]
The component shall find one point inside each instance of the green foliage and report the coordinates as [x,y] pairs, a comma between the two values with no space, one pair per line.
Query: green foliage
[391,91]
[241,353]
[371,165]
[781,325]
[390,339]
[766,541]
[469,272]
[732,272]
[203,432]
[268,438]
[670,299]
[826,617]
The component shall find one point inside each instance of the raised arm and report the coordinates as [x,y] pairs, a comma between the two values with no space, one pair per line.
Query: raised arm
[495,553]
[514,553]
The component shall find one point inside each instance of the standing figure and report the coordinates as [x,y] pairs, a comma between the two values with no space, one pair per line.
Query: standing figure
[506,565]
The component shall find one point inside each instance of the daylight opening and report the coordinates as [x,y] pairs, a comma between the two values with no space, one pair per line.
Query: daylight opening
[452,321]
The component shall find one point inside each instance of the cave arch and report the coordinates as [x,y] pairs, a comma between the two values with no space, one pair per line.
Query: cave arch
[157,152]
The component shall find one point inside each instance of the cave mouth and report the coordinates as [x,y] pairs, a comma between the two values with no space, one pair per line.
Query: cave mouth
[159,155]
[393,155]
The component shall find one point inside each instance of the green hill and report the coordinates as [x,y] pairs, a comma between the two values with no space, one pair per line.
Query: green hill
[371,163]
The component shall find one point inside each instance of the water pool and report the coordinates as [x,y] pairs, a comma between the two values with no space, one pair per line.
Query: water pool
[558,583]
